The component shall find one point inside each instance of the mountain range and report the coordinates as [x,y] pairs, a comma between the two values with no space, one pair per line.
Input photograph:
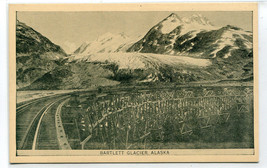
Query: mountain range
[195,37]
[177,50]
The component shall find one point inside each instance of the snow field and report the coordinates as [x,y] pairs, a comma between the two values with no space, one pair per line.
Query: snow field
[141,60]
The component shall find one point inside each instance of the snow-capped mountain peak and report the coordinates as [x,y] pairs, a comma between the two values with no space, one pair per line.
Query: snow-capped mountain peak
[173,21]
[197,19]
[169,23]
[109,36]
[194,36]
[173,18]
[106,43]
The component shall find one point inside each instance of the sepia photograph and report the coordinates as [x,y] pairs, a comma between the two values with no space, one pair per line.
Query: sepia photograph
[138,83]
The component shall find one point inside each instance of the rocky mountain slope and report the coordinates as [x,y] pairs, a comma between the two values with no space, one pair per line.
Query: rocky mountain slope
[31,42]
[195,37]
[35,55]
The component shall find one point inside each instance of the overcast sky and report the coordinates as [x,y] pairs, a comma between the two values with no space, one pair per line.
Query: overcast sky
[71,29]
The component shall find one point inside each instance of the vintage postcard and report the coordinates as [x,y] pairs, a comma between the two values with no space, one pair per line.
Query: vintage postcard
[163,82]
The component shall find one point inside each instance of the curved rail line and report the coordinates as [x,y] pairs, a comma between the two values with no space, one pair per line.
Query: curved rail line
[20,108]
[38,117]
[25,136]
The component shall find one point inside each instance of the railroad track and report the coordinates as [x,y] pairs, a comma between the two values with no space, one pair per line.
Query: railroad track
[21,108]
[29,123]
